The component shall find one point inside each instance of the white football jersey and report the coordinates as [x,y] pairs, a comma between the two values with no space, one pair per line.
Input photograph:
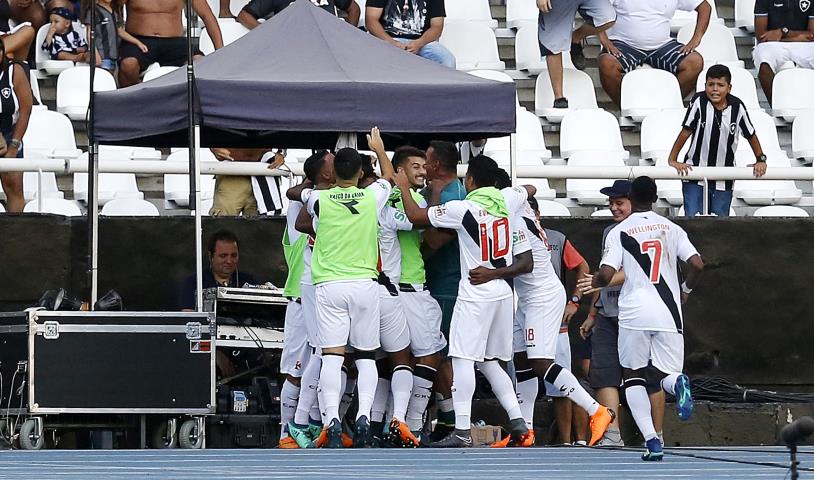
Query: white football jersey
[483,240]
[648,246]
[307,195]
[391,221]
[543,279]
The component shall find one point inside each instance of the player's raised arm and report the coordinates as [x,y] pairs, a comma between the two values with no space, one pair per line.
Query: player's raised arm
[375,142]
[418,216]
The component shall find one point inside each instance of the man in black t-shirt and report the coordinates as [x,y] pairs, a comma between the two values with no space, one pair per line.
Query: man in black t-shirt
[257,9]
[411,25]
[784,30]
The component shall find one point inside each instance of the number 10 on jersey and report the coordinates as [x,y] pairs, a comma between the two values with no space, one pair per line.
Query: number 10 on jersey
[501,240]
[655,259]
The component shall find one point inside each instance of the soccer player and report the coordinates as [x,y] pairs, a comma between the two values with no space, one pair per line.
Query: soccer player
[481,323]
[540,310]
[307,422]
[343,269]
[647,246]
[421,309]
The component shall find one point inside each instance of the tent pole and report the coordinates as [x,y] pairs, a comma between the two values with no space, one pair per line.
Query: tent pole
[194,167]
[93,171]
[513,157]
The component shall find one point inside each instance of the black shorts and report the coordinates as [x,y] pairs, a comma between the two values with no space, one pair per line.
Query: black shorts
[605,368]
[167,51]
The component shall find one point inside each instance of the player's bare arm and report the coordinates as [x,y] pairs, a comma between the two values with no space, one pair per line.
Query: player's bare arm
[696,269]
[603,277]
[295,193]
[523,263]
[418,216]
[375,142]
[584,283]
[304,224]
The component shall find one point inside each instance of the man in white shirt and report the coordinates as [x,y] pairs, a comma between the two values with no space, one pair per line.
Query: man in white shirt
[641,35]
[647,247]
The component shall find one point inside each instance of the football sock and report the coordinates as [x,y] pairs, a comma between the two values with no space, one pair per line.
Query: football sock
[501,386]
[366,385]
[401,385]
[329,382]
[423,378]
[639,404]
[463,387]
[527,389]
[568,384]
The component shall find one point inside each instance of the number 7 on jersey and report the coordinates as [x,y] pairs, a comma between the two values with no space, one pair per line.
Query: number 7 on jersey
[655,259]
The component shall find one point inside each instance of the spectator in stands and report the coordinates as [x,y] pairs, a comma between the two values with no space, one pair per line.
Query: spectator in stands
[158,25]
[471,149]
[785,33]
[15,110]
[31,11]
[109,28]
[234,194]
[63,42]
[715,120]
[641,35]
[257,9]
[411,25]
[17,39]
[556,20]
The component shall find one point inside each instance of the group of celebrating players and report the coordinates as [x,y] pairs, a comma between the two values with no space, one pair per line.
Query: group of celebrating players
[356,285]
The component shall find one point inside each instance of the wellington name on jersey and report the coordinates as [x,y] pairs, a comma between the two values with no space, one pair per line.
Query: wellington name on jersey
[648,246]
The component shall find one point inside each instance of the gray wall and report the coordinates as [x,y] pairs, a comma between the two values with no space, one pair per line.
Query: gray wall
[748,320]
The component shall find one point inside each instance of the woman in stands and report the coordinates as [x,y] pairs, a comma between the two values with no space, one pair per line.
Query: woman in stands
[15,110]
[18,39]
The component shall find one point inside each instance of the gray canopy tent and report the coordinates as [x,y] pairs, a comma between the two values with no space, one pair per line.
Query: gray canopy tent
[299,81]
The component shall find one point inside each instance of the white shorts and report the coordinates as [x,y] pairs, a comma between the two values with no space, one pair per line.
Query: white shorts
[481,330]
[296,350]
[393,332]
[309,312]
[348,313]
[775,54]
[537,324]
[563,359]
[664,349]
[424,320]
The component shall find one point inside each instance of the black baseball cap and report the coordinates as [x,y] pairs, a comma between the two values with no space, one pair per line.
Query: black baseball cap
[619,189]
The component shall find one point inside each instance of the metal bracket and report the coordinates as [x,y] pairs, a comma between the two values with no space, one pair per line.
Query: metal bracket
[50,330]
[193,330]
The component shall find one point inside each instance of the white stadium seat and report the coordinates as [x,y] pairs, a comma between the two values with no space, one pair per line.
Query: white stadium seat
[544,191]
[111,185]
[51,135]
[578,88]
[176,186]
[520,13]
[590,130]
[766,131]
[474,46]
[670,190]
[792,94]
[550,208]
[129,207]
[743,86]
[43,58]
[362,4]
[35,91]
[717,45]
[157,72]
[45,182]
[602,213]
[802,139]
[658,134]
[491,75]
[649,90]
[72,90]
[780,211]
[681,18]
[527,54]
[680,213]
[474,11]
[230,31]
[56,206]
[586,191]
[745,15]
[531,148]
[766,192]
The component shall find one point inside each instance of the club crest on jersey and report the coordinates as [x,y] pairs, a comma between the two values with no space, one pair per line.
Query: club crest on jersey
[6,92]
[804,4]
[732,127]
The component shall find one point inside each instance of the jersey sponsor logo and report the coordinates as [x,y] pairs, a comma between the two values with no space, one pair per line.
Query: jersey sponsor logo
[350,205]
[439,211]
[519,236]
[804,4]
